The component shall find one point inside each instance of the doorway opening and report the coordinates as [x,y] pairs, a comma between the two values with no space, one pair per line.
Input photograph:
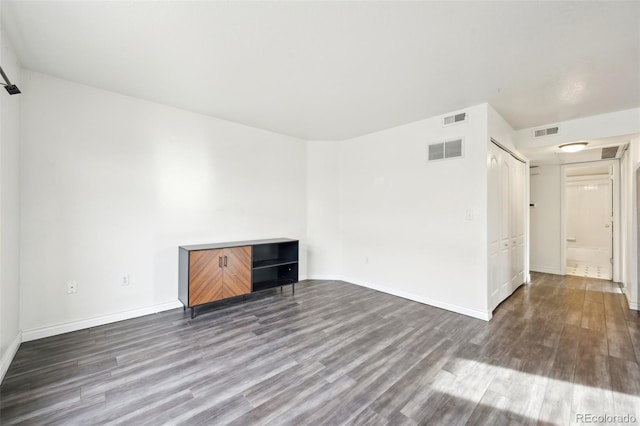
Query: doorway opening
[589,207]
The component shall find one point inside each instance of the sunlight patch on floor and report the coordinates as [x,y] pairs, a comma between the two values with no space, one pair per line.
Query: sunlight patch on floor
[530,396]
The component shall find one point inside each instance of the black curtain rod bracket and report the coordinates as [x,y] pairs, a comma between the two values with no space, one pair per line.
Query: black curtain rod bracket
[11,88]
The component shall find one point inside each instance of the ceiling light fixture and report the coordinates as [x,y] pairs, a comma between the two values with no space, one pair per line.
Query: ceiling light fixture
[574,146]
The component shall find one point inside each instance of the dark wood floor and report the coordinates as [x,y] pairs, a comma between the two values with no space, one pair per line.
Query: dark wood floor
[336,353]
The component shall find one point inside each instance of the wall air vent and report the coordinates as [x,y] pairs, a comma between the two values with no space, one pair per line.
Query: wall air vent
[445,150]
[610,152]
[549,131]
[455,119]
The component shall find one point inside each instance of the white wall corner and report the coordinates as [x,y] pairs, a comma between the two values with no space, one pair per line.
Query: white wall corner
[53,330]
[482,315]
[9,354]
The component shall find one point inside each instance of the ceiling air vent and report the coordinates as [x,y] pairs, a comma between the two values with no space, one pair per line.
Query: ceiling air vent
[455,119]
[549,131]
[608,153]
[444,150]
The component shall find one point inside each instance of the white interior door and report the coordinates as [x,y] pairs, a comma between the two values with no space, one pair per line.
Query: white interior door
[517,223]
[608,225]
[494,225]
[589,226]
[505,226]
[506,182]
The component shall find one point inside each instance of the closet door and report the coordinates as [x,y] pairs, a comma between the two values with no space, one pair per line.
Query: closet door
[494,225]
[513,223]
[518,219]
[506,180]
[505,225]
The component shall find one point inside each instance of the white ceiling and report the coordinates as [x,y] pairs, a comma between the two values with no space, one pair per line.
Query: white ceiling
[334,70]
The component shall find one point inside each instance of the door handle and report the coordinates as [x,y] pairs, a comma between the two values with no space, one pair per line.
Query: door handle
[220,261]
[607,226]
[225,261]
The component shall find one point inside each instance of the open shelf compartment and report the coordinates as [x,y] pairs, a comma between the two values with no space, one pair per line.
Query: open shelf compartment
[275,254]
[276,276]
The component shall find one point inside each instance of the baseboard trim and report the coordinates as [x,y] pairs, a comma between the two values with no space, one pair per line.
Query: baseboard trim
[546,270]
[9,354]
[634,306]
[324,277]
[485,316]
[53,330]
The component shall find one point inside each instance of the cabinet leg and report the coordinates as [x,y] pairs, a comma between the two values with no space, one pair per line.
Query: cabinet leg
[193,312]
[184,308]
[293,289]
[280,289]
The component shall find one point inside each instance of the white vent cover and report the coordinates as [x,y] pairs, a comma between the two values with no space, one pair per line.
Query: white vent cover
[455,119]
[444,150]
[549,131]
[610,152]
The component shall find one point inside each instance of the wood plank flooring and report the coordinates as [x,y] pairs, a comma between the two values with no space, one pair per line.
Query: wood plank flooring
[335,353]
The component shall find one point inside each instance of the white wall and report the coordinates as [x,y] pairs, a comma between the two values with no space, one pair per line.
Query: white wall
[629,222]
[546,220]
[501,131]
[403,219]
[9,209]
[324,243]
[111,185]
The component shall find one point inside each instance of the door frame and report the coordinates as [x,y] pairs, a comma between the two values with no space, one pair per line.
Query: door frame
[615,164]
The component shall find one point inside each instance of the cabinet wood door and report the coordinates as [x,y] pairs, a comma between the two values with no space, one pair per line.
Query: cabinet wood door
[205,276]
[237,271]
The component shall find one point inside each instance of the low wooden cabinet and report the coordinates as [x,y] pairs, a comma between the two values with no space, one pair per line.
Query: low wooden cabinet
[212,272]
[219,274]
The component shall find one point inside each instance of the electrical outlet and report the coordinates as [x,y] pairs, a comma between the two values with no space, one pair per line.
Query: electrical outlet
[72,287]
[469,214]
[124,279]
